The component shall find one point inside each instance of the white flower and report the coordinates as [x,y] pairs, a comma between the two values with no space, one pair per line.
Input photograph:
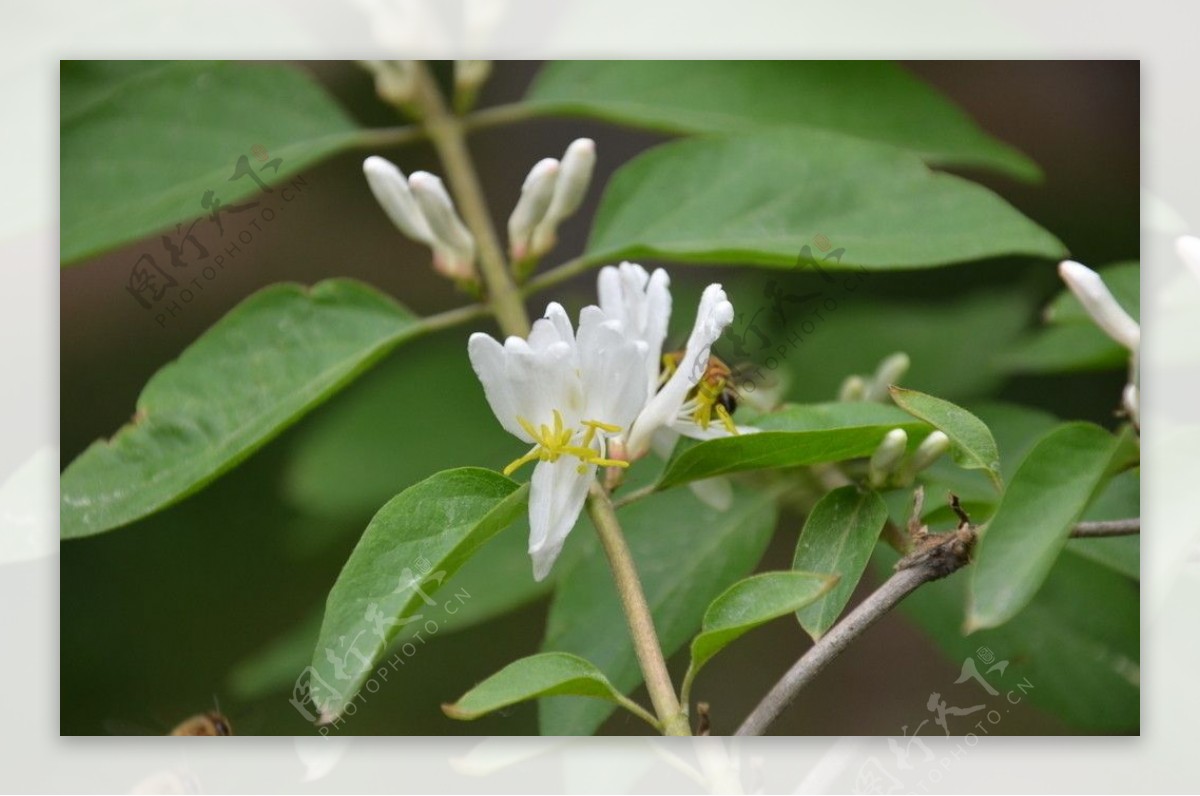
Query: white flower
[567,394]
[421,208]
[642,302]
[691,396]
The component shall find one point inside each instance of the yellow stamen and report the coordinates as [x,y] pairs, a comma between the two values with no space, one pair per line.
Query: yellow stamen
[726,419]
[555,441]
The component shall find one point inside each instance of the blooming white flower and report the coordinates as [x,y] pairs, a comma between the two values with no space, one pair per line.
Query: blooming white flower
[567,394]
[421,208]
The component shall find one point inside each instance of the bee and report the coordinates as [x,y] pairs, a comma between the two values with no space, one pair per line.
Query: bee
[211,722]
[714,393]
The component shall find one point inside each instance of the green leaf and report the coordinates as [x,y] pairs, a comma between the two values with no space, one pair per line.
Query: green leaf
[750,603]
[415,543]
[759,199]
[875,100]
[544,675]
[278,354]
[1043,502]
[1070,340]
[686,554]
[973,445]
[838,537]
[142,141]
[795,435]
[1077,643]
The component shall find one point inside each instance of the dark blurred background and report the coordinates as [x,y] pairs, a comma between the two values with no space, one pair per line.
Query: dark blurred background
[156,616]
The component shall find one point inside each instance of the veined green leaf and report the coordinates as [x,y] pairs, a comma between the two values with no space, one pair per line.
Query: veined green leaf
[415,543]
[544,675]
[761,198]
[973,445]
[838,537]
[795,435]
[142,141]
[874,100]
[278,354]
[686,554]
[750,603]
[1043,502]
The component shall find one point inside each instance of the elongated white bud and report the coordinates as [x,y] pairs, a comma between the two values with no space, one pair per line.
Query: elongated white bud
[1096,298]
[889,372]
[536,192]
[1189,251]
[887,456]
[854,388]
[453,244]
[574,176]
[929,451]
[391,191]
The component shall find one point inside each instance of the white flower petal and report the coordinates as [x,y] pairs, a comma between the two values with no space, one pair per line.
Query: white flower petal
[391,191]
[489,359]
[556,495]
[613,384]
[1095,297]
[713,316]
[643,304]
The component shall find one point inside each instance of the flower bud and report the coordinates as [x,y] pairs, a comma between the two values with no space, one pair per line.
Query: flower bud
[453,244]
[469,77]
[391,191]
[889,372]
[1095,297]
[395,81]
[574,176]
[854,388]
[930,449]
[887,456]
[536,193]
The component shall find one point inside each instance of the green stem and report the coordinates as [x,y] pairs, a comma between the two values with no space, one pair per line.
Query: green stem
[637,612]
[447,134]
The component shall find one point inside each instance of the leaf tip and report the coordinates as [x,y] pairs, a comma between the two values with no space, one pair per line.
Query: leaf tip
[453,711]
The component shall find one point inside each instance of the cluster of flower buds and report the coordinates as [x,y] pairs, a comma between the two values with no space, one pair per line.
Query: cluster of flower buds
[890,467]
[875,389]
[1104,310]
[552,192]
[421,208]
